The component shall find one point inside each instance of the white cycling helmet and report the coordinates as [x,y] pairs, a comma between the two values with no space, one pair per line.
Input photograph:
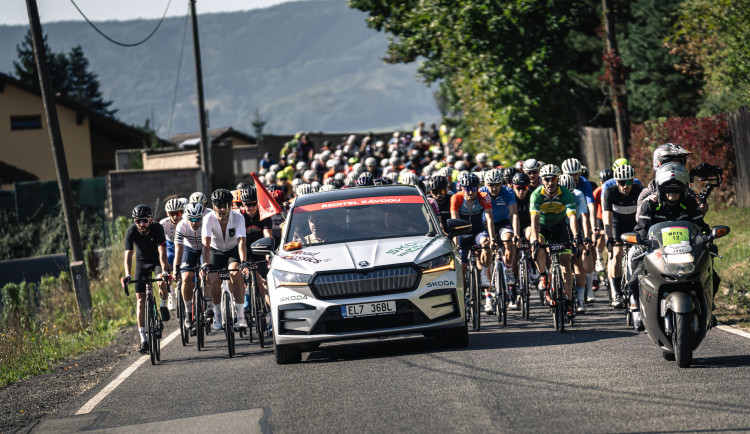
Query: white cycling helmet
[494,176]
[301,166]
[567,181]
[531,164]
[481,157]
[550,170]
[194,210]
[174,205]
[198,197]
[327,187]
[624,172]
[309,176]
[304,189]
[371,162]
[571,166]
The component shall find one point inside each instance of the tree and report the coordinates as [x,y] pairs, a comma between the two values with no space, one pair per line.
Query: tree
[69,74]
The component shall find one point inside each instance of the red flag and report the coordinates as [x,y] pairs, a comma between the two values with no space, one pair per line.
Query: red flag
[267,207]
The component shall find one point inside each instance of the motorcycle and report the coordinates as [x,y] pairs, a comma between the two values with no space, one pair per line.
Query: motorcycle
[676,286]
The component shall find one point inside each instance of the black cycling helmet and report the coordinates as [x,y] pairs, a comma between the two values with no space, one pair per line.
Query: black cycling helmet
[249,194]
[509,173]
[521,179]
[221,195]
[141,212]
[605,174]
[468,180]
[364,179]
[436,183]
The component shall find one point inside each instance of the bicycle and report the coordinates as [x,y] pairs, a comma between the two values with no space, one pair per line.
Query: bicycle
[256,314]
[472,296]
[499,286]
[556,292]
[154,325]
[228,311]
[184,332]
[201,323]
[525,264]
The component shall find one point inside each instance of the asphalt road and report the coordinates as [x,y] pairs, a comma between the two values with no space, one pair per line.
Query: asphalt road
[599,376]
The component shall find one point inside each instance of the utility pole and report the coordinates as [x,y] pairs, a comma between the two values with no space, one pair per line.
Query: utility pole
[205,144]
[77,267]
[617,82]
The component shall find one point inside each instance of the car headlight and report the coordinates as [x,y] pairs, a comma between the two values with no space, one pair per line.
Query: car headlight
[441,263]
[287,278]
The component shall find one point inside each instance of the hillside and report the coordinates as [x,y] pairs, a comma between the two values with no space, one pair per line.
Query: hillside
[309,65]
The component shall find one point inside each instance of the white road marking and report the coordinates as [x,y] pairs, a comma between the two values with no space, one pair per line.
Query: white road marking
[122,377]
[734,330]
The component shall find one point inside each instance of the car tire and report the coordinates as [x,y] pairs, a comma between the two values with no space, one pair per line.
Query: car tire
[457,337]
[286,354]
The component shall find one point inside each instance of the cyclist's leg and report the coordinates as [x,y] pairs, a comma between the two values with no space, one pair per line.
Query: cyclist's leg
[464,245]
[237,286]
[615,272]
[190,258]
[260,276]
[565,263]
[141,271]
[484,258]
[219,260]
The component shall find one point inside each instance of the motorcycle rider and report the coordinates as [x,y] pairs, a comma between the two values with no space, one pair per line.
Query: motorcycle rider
[670,202]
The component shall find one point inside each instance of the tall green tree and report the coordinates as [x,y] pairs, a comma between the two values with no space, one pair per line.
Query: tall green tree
[69,74]
[519,74]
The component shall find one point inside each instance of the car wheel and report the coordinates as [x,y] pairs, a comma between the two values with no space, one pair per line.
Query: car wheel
[457,337]
[286,354]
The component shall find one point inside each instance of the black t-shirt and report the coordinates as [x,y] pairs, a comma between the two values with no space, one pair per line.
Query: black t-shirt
[524,216]
[146,246]
[652,212]
[445,208]
[254,227]
[623,207]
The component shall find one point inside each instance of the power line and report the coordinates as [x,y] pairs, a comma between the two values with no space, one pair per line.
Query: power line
[122,44]
[177,81]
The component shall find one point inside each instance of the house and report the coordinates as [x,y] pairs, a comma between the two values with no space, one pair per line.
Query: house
[90,139]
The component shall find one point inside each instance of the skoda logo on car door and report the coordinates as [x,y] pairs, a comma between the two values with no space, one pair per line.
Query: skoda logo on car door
[364,264]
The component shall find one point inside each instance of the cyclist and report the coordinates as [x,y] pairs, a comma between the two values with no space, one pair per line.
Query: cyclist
[188,247]
[151,256]
[199,197]
[612,182]
[223,235]
[506,224]
[604,176]
[437,188]
[255,229]
[582,222]
[174,209]
[474,206]
[531,168]
[670,202]
[619,205]
[521,189]
[550,204]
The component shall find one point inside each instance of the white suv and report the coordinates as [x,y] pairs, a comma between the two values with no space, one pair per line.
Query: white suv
[363,262]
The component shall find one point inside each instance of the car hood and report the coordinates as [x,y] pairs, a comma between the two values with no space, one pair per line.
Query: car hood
[362,254]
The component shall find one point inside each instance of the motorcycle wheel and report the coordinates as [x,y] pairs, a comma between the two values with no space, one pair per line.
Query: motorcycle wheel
[682,340]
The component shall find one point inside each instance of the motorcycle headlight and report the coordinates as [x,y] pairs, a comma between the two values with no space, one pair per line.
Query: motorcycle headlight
[679,269]
[287,278]
[441,263]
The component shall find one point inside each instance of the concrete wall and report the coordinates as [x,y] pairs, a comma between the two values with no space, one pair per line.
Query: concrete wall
[128,188]
[172,160]
[30,150]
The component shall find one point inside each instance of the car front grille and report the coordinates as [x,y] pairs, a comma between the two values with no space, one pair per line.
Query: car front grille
[358,284]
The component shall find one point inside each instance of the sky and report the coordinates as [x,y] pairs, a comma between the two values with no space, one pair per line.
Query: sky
[14,11]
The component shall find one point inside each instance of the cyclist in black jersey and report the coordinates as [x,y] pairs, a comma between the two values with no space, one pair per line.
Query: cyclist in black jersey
[151,256]
[437,188]
[256,228]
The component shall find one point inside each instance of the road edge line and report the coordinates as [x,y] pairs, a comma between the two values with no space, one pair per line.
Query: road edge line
[734,330]
[120,378]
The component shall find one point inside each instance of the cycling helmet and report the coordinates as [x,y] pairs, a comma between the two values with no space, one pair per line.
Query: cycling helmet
[509,173]
[467,156]
[236,196]
[364,179]
[304,189]
[567,181]
[571,166]
[605,175]
[194,210]
[141,212]
[198,197]
[549,170]
[392,176]
[670,152]
[481,157]
[301,166]
[480,176]
[620,162]
[337,183]
[437,183]
[340,176]
[271,177]
[672,177]
[315,186]
[173,205]
[384,162]
[531,164]
[461,165]
[241,185]
[327,187]
[521,179]
[584,171]
[296,182]
[450,159]
[278,196]
[249,194]
[624,172]
[468,180]
[330,164]
[371,162]
[494,176]
[274,168]
[445,172]
[309,176]
[408,178]
[221,195]
[382,181]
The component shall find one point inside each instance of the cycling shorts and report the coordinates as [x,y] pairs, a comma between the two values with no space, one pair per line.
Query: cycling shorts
[555,235]
[222,259]
[260,261]
[465,242]
[618,230]
[600,224]
[145,270]
[501,228]
[190,257]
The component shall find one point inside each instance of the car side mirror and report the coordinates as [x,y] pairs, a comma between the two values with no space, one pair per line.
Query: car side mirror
[263,246]
[456,227]
[719,231]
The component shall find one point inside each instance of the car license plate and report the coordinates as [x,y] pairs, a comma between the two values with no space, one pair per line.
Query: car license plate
[368,309]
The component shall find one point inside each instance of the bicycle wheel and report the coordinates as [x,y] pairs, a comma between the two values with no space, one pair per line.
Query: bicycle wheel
[150,328]
[523,282]
[497,292]
[560,299]
[503,292]
[158,331]
[184,332]
[226,308]
[259,312]
[477,302]
[199,306]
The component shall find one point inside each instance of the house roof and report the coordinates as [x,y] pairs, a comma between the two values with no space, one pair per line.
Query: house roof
[100,123]
[216,136]
[10,174]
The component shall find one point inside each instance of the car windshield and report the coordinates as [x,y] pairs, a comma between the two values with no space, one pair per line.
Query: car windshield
[360,219]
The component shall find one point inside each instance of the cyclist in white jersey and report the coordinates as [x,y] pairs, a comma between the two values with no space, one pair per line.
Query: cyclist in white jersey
[174,209]
[188,248]
[224,246]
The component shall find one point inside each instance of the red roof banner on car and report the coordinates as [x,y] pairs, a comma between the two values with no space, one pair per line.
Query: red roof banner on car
[378,200]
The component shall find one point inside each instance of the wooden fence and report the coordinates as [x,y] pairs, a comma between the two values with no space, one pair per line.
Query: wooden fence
[739,125]
[597,148]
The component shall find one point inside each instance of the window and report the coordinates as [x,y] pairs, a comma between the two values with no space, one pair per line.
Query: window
[32,122]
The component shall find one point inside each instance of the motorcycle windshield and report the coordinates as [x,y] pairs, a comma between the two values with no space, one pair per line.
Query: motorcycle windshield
[676,236]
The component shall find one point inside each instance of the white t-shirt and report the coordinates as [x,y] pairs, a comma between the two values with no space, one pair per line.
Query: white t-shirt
[186,236]
[169,228]
[224,241]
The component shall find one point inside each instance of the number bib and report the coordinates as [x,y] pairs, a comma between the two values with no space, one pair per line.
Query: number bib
[676,239]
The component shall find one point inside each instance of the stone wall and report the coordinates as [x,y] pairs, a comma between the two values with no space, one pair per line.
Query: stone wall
[128,188]
[172,160]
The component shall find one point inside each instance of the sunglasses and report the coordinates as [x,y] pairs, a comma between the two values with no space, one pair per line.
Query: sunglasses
[494,185]
[141,221]
[470,189]
[195,219]
[249,204]
[625,182]
[221,205]
[550,179]
[530,172]
[174,213]
[521,187]
[439,191]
